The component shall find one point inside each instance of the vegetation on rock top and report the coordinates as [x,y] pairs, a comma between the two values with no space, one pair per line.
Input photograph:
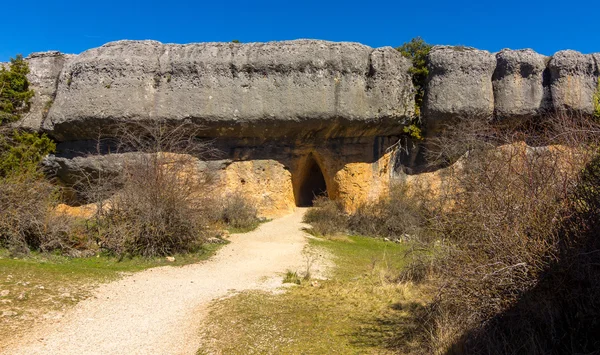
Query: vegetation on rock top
[416,50]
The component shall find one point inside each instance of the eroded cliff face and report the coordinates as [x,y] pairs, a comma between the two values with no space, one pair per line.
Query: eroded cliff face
[264,90]
[282,115]
[512,84]
[291,119]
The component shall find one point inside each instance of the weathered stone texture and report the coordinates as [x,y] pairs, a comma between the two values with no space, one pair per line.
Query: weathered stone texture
[44,69]
[518,81]
[251,90]
[574,80]
[459,83]
[275,109]
[265,182]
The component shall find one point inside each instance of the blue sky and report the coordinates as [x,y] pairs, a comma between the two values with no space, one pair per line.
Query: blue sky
[74,26]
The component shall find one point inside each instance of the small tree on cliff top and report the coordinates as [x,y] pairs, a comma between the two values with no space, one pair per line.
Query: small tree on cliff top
[14,90]
[416,50]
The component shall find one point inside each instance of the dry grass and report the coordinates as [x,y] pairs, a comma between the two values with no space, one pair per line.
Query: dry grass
[503,234]
[356,311]
[42,287]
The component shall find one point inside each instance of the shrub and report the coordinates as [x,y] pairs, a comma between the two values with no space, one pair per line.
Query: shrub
[157,204]
[326,217]
[238,213]
[22,151]
[503,233]
[14,90]
[28,221]
[396,216]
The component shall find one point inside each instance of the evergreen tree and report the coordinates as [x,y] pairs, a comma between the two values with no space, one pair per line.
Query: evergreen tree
[14,90]
[416,50]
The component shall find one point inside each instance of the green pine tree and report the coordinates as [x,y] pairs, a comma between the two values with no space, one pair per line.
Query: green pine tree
[14,90]
[416,50]
[20,151]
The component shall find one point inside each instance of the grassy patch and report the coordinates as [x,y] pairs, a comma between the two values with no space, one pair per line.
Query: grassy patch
[291,277]
[355,311]
[251,226]
[42,286]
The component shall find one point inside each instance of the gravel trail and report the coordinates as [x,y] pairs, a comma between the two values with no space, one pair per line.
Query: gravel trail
[159,311]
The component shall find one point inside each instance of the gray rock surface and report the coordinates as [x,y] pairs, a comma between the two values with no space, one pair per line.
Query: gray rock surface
[574,80]
[76,170]
[519,90]
[459,83]
[276,89]
[44,70]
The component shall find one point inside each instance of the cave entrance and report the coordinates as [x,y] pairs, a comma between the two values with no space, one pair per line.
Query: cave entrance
[312,183]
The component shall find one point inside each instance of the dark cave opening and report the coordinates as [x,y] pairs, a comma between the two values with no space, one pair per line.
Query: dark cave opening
[312,185]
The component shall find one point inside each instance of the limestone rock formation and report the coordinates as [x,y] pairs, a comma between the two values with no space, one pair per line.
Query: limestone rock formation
[44,69]
[459,83]
[77,169]
[574,80]
[520,84]
[291,119]
[277,89]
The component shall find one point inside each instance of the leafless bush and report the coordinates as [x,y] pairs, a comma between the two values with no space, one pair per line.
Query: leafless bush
[159,204]
[238,213]
[503,232]
[326,217]
[28,219]
[397,216]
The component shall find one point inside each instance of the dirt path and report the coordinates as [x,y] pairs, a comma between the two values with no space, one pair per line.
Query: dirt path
[159,311]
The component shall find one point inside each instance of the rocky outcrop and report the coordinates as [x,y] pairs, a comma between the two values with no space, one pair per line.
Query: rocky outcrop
[459,83]
[574,81]
[276,90]
[281,112]
[80,169]
[516,84]
[272,174]
[521,84]
[44,70]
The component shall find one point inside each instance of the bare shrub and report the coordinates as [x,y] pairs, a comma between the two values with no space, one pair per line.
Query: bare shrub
[503,232]
[396,216]
[326,217]
[559,315]
[28,220]
[238,213]
[159,204]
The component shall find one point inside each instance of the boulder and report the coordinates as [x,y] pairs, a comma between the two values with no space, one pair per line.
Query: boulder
[518,81]
[574,81]
[459,84]
[277,89]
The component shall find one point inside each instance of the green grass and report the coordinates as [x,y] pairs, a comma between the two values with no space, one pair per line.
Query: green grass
[42,285]
[248,228]
[356,311]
